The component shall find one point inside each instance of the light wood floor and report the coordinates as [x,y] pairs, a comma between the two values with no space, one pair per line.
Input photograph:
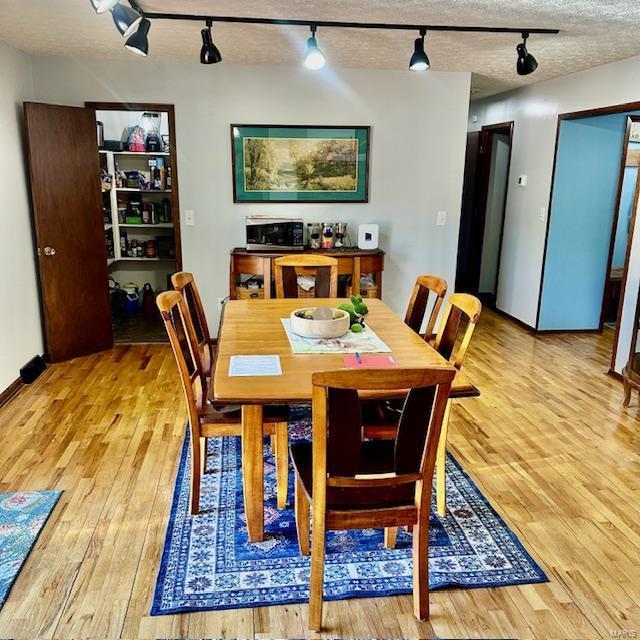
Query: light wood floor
[548,443]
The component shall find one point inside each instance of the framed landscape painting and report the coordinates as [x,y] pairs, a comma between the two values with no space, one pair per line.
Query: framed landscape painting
[279,163]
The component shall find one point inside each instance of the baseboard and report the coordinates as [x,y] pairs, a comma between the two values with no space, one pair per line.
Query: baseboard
[542,332]
[520,323]
[614,374]
[11,391]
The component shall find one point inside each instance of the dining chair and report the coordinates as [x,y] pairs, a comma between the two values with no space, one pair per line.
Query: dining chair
[348,482]
[185,283]
[287,269]
[425,285]
[205,421]
[461,315]
[459,319]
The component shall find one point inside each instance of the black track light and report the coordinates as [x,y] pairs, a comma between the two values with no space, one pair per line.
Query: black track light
[314,58]
[209,54]
[526,62]
[138,42]
[125,19]
[419,60]
[102,6]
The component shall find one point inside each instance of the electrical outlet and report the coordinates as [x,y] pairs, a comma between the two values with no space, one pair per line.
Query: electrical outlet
[189,217]
[441,219]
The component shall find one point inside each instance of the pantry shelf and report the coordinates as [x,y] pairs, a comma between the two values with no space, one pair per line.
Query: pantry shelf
[160,225]
[130,259]
[124,233]
[128,190]
[137,153]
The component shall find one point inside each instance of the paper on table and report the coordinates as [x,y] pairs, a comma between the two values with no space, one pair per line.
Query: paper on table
[255,366]
[369,361]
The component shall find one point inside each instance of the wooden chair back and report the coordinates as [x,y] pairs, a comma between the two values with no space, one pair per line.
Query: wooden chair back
[182,336]
[185,283]
[349,470]
[287,269]
[425,285]
[462,310]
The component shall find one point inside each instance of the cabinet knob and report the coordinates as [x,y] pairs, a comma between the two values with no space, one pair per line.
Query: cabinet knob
[49,251]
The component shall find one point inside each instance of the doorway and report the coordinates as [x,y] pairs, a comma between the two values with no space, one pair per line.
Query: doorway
[484,199]
[627,181]
[578,280]
[140,206]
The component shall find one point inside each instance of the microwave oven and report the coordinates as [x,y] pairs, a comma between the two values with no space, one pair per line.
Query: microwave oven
[265,233]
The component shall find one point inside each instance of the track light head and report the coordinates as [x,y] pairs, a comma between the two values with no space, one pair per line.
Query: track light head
[125,19]
[209,54]
[102,6]
[419,60]
[138,42]
[314,58]
[526,62]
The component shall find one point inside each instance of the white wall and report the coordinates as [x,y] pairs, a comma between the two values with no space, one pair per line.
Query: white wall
[417,155]
[20,328]
[534,110]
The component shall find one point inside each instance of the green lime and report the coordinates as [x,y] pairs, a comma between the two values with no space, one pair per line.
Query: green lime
[356,328]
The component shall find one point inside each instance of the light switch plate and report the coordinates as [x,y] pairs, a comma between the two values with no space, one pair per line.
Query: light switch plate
[543,214]
[189,217]
[441,219]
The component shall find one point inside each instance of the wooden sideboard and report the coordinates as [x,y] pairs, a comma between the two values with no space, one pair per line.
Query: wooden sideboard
[352,264]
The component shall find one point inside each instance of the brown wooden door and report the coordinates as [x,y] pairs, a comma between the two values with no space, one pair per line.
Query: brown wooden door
[474,205]
[68,220]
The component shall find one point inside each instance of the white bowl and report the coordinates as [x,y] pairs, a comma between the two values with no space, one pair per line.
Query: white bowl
[320,328]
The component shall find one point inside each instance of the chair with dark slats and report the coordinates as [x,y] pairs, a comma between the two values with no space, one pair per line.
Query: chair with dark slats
[206,421]
[424,287]
[288,268]
[348,482]
[185,283]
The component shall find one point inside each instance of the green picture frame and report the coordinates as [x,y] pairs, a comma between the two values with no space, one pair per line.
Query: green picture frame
[293,163]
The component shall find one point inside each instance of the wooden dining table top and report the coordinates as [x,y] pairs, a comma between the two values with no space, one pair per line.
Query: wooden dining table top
[254,327]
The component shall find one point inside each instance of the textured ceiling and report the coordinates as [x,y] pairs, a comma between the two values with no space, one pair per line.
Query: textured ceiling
[593,32]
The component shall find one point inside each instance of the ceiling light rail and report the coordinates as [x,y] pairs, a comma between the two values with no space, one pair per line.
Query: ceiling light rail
[338,24]
[127,18]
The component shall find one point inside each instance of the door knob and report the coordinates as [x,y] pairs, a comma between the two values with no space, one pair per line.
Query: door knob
[49,251]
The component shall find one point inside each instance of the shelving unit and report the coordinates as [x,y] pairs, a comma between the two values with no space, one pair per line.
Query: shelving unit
[110,163]
[144,324]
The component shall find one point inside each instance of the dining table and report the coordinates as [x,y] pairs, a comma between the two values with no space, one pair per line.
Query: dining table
[254,327]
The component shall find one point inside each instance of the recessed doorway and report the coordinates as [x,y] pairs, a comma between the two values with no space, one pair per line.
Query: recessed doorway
[484,200]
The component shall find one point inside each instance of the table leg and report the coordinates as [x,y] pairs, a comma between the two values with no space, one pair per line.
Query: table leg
[253,470]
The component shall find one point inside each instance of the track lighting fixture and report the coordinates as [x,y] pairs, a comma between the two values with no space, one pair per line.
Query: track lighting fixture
[419,60]
[128,17]
[138,42]
[102,6]
[125,19]
[209,54]
[526,62]
[314,58]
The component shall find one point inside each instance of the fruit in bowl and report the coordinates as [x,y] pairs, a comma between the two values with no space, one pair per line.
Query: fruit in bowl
[357,310]
[320,322]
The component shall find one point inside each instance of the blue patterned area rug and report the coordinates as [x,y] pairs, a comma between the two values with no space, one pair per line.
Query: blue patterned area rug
[208,562]
[22,516]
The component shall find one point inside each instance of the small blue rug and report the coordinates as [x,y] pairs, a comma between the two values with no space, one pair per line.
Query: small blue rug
[22,516]
[209,564]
